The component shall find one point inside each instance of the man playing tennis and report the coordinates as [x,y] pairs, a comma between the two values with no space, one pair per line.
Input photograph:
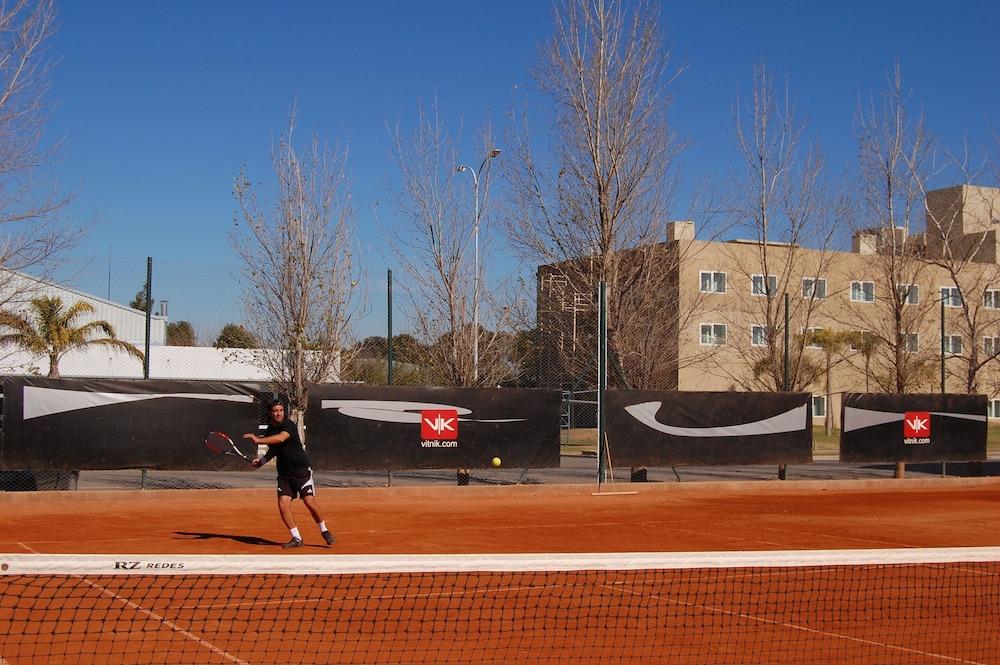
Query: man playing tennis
[294,473]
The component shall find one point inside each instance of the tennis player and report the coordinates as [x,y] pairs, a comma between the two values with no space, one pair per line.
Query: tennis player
[295,477]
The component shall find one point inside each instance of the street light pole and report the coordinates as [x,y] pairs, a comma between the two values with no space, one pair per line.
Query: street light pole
[475,232]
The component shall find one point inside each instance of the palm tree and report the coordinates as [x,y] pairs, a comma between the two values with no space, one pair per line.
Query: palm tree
[52,331]
[866,344]
[833,343]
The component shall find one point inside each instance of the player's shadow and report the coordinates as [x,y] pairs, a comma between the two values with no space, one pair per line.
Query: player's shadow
[246,540]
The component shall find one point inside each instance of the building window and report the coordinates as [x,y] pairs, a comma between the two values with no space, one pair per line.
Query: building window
[758,335]
[808,334]
[819,406]
[995,408]
[909,294]
[713,334]
[813,288]
[952,296]
[991,346]
[713,282]
[911,343]
[991,299]
[760,287]
[862,291]
[953,345]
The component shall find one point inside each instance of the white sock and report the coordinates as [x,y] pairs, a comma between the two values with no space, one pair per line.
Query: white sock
[295,532]
[322,527]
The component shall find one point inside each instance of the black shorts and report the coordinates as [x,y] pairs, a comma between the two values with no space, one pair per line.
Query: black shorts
[297,485]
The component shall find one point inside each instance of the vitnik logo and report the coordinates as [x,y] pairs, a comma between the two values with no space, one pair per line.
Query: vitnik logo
[441,424]
[916,427]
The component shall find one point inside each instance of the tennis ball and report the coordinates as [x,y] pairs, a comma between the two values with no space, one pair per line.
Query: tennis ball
[496,461]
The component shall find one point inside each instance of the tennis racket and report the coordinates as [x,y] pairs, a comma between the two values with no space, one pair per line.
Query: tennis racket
[220,444]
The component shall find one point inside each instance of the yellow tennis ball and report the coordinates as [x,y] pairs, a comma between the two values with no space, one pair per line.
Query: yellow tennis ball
[496,461]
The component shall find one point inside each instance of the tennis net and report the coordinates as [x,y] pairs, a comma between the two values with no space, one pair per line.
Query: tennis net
[934,605]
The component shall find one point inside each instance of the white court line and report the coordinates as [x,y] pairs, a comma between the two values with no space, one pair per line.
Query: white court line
[798,532]
[806,629]
[163,620]
[617,588]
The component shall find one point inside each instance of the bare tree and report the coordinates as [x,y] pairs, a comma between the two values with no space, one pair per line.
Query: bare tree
[893,162]
[445,273]
[962,242]
[298,264]
[33,235]
[591,205]
[781,202]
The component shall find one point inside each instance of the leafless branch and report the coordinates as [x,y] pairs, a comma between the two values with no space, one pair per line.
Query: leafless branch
[298,263]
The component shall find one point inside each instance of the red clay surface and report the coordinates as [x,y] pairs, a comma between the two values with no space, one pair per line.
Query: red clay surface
[548,518]
[822,616]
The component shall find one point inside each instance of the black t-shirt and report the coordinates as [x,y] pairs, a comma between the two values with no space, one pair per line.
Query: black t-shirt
[291,456]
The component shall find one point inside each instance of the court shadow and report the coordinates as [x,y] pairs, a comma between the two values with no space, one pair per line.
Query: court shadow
[246,540]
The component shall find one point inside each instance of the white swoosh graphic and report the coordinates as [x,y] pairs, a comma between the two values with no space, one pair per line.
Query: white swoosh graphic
[391,411]
[47,401]
[789,421]
[855,418]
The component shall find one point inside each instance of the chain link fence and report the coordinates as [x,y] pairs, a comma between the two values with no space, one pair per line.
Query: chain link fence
[567,357]
[193,303]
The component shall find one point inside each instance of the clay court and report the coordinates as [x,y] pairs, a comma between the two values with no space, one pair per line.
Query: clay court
[550,518]
[338,618]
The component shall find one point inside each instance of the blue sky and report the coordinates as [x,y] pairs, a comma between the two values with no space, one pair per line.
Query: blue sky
[159,104]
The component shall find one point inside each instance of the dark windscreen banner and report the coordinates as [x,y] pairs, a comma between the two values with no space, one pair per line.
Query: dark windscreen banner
[652,428]
[355,427]
[65,424]
[912,428]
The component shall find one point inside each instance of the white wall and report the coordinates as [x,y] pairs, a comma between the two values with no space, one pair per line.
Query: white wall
[165,362]
[17,290]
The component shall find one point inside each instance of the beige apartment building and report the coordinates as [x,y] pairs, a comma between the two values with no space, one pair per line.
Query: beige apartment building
[727,315]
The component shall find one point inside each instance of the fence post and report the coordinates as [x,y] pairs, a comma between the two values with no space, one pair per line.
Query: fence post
[149,314]
[602,379]
[783,469]
[388,339]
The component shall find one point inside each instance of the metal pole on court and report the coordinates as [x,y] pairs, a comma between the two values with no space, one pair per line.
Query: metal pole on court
[149,314]
[944,471]
[785,378]
[602,378]
[942,345]
[388,346]
[782,469]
